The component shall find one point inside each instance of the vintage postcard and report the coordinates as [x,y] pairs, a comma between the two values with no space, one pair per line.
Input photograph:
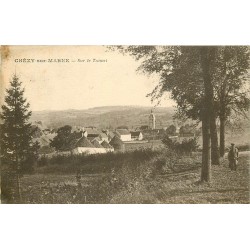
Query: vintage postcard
[124,124]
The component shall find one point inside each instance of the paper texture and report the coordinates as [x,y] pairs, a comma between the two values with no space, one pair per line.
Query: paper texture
[101,138]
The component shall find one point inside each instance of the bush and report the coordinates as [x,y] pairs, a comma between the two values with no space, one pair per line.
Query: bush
[184,147]
[130,177]
[124,177]
[43,161]
[98,163]
[133,184]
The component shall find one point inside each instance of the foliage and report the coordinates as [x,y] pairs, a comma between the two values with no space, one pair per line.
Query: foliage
[179,186]
[187,129]
[180,72]
[231,80]
[185,147]
[171,130]
[127,179]
[62,139]
[17,149]
[96,163]
[190,74]
[36,131]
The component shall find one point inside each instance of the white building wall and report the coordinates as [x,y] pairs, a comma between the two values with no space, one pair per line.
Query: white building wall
[125,137]
[109,149]
[80,150]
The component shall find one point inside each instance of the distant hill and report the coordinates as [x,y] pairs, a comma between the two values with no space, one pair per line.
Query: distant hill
[104,117]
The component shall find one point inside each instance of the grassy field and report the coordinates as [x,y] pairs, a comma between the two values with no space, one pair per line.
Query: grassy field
[176,182]
[226,187]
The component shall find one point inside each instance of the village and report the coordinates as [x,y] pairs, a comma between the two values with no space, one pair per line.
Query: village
[125,125]
[93,140]
[108,149]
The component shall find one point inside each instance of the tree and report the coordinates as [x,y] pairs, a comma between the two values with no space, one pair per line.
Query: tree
[184,147]
[17,150]
[182,74]
[171,130]
[62,139]
[187,129]
[231,85]
[190,73]
[207,113]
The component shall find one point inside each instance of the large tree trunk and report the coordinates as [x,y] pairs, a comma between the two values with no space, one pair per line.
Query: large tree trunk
[206,54]
[222,135]
[206,151]
[215,156]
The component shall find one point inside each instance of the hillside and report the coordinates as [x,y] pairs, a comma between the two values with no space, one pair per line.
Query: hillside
[104,117]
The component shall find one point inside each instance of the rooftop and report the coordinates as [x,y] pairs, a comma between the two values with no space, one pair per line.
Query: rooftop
[123,131]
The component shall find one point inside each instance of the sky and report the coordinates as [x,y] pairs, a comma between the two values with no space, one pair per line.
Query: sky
[77,84]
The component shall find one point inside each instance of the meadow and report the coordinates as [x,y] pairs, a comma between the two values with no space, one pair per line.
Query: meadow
[143,176]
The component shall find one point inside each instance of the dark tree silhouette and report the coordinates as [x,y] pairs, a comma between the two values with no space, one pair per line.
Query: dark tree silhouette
[231,85]
[17,150]
[62,139]
[171,130]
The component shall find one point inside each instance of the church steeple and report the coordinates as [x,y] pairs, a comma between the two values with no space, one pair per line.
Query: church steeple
[152,120]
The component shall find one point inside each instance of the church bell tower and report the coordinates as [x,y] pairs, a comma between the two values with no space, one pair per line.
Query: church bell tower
[152,120]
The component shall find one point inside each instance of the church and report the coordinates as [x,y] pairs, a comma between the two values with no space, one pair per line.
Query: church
[151,120]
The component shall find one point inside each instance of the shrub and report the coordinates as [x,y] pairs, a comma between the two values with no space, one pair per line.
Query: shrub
[133,184]
[128,177]
[96,163]
[184,147]
[43,161]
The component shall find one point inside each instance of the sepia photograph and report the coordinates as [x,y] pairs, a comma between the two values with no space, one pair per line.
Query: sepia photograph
[124,125]
[129,124]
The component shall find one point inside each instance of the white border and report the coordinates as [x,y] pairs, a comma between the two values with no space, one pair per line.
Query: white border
[125,226]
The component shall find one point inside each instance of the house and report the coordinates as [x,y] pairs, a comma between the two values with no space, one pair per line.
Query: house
[92,131]
[123,134]
[107,146]
[104,137]
[136,135]
[83,145]
[77,129]
[110,135]
[94,136]
[96,143]
[43,138]
[117,144]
